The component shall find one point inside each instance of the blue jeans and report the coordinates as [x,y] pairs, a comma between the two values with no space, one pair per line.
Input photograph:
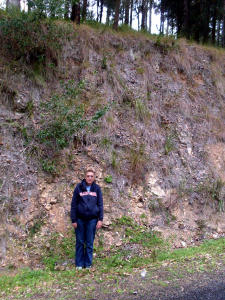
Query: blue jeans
[85,235]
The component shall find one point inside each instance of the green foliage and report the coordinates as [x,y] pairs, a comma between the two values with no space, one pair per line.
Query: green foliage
[105,142]
[166,43]
[63,120]
[169,144]
[110,263]
[114,160]
[143,216]
[108,179]
[125,220]
[35,227]
[24,36]
[138,234]
[48,166]
[43,8]
[104,63]
[213,189]
[61,248]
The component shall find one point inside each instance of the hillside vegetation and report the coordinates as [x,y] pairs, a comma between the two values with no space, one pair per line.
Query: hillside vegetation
[148,112]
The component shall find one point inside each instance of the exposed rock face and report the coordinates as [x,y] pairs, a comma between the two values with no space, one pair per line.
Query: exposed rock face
[162,141]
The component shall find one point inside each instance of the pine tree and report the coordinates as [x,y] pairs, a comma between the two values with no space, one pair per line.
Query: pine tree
[116,17]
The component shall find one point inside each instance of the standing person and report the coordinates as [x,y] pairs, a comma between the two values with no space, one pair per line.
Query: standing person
[86,216]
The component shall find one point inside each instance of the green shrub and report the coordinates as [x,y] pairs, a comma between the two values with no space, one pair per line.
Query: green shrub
[48,166]
[108,179]
[166,43]
[24,36]
[63,117]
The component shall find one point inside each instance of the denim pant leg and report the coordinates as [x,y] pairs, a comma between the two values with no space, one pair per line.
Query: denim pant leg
[90,236]
[80,240]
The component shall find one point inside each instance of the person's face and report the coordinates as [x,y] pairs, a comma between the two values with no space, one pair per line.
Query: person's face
[89,177]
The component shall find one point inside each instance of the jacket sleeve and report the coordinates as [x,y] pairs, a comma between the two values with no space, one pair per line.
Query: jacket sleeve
[73,212]
[100,204]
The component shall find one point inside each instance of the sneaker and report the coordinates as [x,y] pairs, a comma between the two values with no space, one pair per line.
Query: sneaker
[88,267]
[79,268]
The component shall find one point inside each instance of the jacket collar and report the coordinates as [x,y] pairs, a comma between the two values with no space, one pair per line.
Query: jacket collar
[84,185]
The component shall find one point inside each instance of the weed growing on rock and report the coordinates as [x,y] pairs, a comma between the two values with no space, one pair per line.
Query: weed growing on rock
[169,143]
[137,159]
[141,110]
[108,179]
[64,119]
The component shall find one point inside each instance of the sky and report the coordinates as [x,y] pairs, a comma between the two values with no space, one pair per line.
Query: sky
[155,18]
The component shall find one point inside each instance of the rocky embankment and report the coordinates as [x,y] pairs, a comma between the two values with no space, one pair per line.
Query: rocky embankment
[159,149]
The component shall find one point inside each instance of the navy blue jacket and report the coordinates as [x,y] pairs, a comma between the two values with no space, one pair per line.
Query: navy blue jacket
[86,205]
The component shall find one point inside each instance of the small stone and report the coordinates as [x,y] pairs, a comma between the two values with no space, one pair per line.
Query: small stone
[181,226]
[183,244]
[48,206]
[53,201]
[143,273]
[215,236]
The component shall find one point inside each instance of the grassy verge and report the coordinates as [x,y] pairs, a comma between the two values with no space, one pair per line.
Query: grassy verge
[140,249]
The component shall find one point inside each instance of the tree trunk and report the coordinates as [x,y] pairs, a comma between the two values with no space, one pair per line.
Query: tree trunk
[75,15]
[13,3]
[101,10]
[84,10]
[218,32]
[143,11]
[127,9]
[138,17]
[214,24]
[67,8]
[29,5]
[97,11]
[108,14]
[167,27]
[172,25]
[116,17]
[223,32]
[206,10]
[162,18]
[186,19]
[131,12]
[150,16]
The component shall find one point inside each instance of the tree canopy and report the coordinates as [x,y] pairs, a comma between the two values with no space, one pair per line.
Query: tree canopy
[200,20]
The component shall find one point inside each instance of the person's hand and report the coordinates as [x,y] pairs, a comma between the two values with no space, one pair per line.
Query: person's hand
[99,225]
[74,225]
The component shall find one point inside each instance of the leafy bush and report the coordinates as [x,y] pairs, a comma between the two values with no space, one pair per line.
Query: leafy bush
[166,43]
[63,117]
[24,36]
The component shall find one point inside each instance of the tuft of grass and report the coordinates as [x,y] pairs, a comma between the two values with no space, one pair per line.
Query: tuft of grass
[169,143]
[137,159]
[141,110]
